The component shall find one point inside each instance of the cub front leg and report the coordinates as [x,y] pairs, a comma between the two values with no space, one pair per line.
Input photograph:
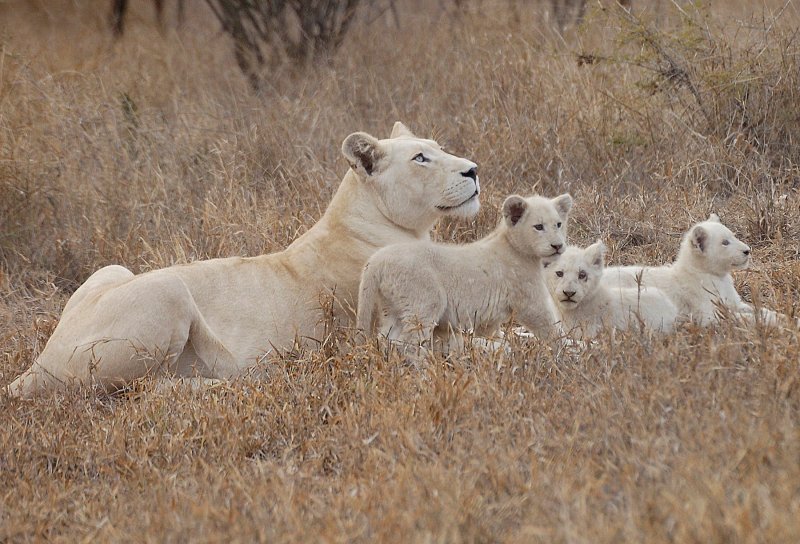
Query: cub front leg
[541,319]
[768,317]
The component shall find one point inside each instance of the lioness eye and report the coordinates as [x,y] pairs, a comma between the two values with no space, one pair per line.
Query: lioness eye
[560,273]
[420,158]
[726,242]
[582,275]
[539,227]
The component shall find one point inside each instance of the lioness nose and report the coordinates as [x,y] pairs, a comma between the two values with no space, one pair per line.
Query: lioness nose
[557,247]
[471,173]
[568,294]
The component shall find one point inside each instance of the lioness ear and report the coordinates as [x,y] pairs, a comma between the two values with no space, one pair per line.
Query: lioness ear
[597,254]
[699,238]
[513,209]
[400,130]
[714,218]
[364,153]
[563,204]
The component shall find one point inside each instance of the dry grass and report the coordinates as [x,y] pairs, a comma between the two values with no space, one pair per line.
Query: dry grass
[153,150]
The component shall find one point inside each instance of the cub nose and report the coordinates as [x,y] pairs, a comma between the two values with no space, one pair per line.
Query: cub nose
[471,173]
[568,294]
[557,247]
[746,251]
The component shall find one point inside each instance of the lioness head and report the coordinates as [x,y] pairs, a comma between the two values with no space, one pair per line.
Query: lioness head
[576,274]
[414,182]
[537,226]
[714,248]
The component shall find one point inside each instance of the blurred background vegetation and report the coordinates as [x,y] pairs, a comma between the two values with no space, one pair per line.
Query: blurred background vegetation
[186,132]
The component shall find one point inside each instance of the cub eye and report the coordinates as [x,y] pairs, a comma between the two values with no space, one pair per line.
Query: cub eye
[582,275]
[560,273]
[420,158]
[558,225]
[539,227]
[726,242]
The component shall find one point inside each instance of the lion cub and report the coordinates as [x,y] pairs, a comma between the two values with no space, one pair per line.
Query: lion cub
[700,280]
[429,290]
[586,303]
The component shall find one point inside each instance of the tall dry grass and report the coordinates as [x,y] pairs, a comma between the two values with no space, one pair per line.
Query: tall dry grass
[153,150]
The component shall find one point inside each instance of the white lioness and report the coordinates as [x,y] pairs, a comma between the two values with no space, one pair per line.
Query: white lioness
[699,282]
[218,317]
[428,290]
[586,303]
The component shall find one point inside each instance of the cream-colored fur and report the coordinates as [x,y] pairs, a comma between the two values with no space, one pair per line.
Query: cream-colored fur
[699,282]
[587,304]
[428,290]
[218,317]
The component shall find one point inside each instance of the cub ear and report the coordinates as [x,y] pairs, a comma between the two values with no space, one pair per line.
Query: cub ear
[597,254]
[699,237]
[563,204]
[364,154]
[714,218]
[547,261]
[513,209]
[399,130]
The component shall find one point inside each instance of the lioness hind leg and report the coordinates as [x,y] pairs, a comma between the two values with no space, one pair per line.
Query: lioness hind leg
[216,356]
[191,332]
[106,277]
[31,381]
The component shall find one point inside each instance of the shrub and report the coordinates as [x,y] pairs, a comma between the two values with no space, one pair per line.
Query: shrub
[269,31]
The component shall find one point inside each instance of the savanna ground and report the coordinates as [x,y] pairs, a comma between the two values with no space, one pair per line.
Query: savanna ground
[153,150]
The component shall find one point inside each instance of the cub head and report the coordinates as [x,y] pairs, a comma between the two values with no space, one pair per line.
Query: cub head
[413,181]
[714,249]
[576,274]
[537,226]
